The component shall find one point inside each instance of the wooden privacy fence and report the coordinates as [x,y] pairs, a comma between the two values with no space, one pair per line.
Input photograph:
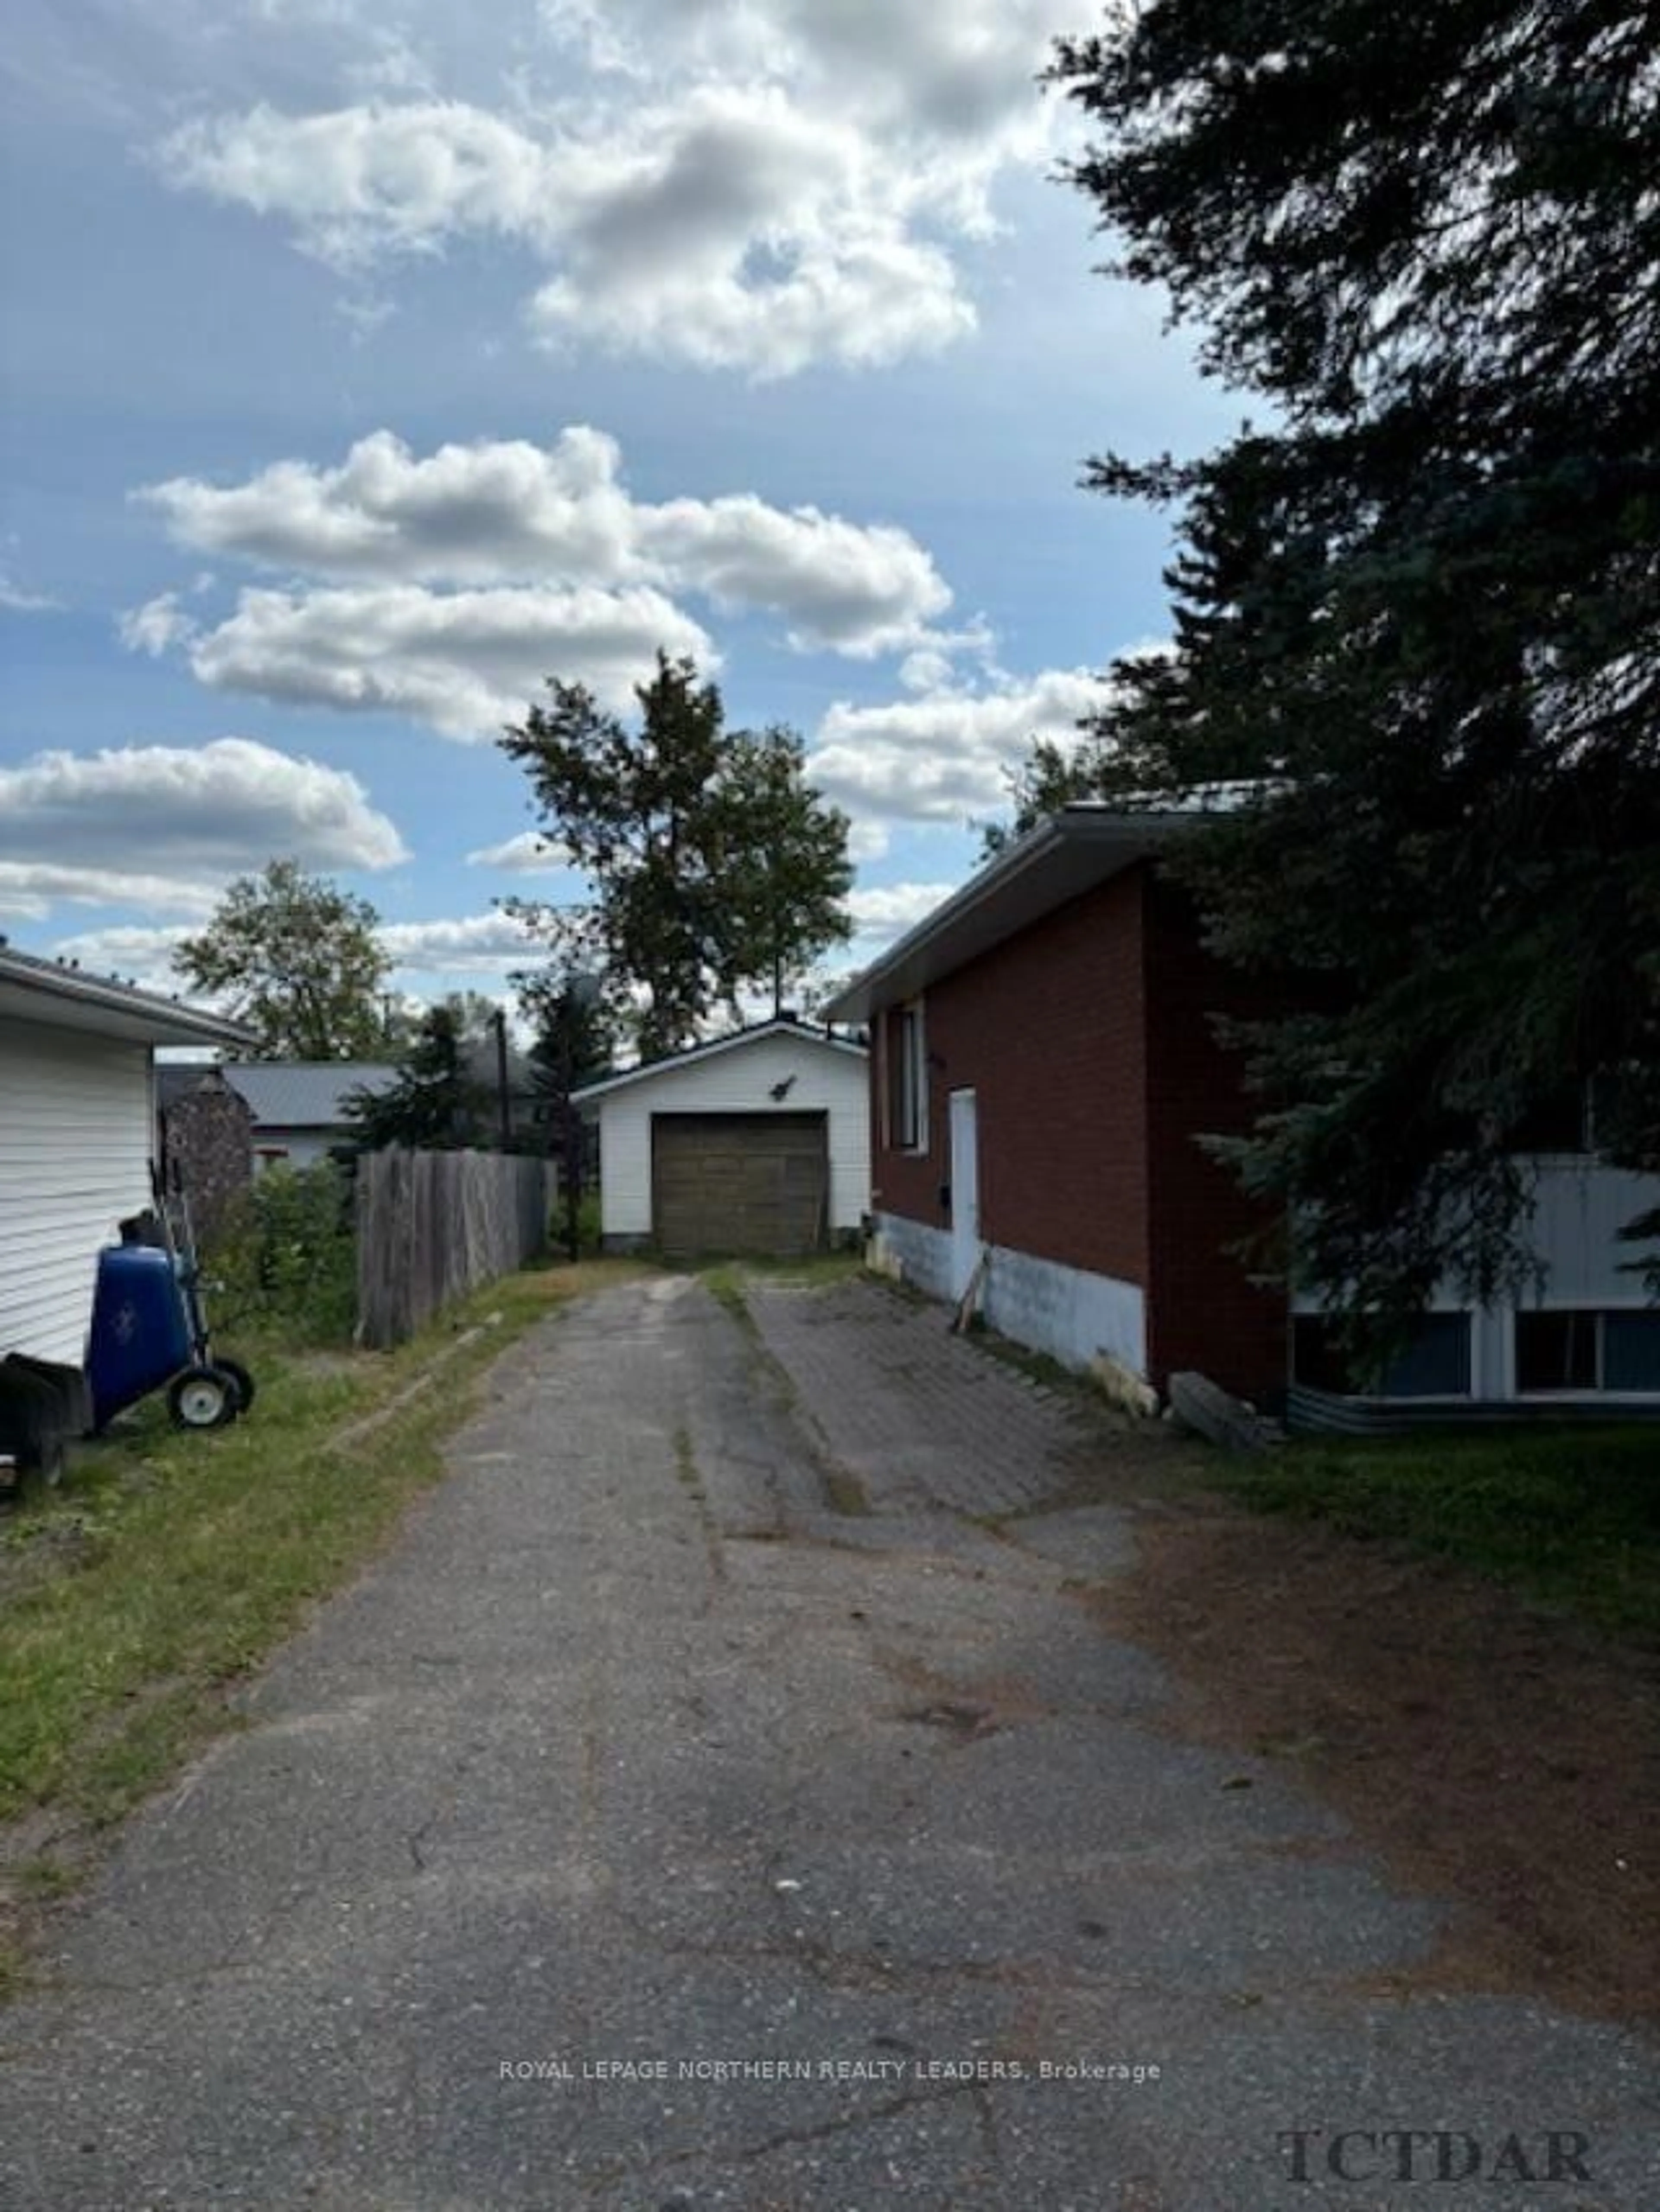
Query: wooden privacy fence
[431,1226]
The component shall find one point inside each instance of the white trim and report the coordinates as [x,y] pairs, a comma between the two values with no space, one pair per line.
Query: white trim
[43,992]
[650,1069]
[912,1071]
[1065,854]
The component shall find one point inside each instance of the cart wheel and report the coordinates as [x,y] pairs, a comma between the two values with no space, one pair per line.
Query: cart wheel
[203,1398]
[240,1376]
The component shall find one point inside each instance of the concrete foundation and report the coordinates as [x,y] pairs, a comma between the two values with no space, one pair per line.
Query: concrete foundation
[1067,1312]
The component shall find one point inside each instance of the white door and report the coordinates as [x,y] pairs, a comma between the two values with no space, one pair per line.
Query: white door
[964,1191]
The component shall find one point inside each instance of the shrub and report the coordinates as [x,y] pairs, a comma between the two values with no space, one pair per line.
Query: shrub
[287,1256]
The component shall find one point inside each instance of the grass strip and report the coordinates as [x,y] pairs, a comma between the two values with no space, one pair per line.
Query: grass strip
[1569,1515]
[169,1565]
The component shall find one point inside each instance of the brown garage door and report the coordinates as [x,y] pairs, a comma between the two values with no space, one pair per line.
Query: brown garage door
[739,1183]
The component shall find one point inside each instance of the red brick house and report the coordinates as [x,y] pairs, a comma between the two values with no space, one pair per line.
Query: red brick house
[1045,1064]
[1042,1065]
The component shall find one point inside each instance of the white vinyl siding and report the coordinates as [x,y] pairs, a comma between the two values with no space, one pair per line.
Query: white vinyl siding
[75,1150]
[296,1148]
[822,1078]
[1579,1208]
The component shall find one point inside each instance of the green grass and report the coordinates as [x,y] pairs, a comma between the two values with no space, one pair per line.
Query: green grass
[193,1556]
[1039,1367]
[1569,1515]
[812,1270]
[725,1279]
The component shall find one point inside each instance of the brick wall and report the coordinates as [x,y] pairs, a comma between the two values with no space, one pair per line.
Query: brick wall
[1204,1312]
[1088,1042]
[1047,1029]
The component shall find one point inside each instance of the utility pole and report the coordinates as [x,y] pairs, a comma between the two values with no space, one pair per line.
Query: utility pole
[504,1100]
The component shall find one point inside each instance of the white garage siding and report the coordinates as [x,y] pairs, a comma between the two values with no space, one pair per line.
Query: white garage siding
[76,1128]
[825,1078]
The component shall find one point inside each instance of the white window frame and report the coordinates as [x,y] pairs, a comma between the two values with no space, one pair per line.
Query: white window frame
[905,1086]
[1599,1389]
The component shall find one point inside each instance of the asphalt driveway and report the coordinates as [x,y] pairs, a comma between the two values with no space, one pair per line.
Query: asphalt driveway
[723,1794]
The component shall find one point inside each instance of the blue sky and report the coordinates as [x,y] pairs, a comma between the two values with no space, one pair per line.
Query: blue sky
[363,364]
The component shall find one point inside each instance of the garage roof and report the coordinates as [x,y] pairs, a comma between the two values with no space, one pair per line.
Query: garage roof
[799,1032]
[63,996]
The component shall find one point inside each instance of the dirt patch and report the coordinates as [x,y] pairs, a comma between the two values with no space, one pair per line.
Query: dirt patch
[39,1552]
[1493,1753]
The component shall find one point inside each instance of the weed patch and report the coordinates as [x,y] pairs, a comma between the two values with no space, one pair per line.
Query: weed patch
[167,1565]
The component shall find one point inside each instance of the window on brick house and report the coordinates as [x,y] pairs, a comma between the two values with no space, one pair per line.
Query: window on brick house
[907,1081]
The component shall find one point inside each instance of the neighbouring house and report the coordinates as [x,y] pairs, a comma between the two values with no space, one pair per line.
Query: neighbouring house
[205,1142]
[756,1142]
[1044,1065]
[77,1121]
[298,1106]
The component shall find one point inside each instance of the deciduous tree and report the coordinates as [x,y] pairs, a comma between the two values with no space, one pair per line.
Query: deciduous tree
[714,866]
[298,959]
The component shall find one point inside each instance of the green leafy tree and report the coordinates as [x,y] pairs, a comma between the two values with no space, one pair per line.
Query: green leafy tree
[714,866]
[1417,621]
[783,868]
[297,958]
[286,1255]
[441,1098]
[575,1030]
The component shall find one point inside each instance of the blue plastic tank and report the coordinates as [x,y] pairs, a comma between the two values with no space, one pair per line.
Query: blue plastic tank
[140,1335]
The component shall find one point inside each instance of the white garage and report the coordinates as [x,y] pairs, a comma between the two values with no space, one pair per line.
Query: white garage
[755,1144]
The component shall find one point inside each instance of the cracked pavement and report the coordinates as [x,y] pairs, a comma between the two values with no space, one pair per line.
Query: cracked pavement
[712,1799]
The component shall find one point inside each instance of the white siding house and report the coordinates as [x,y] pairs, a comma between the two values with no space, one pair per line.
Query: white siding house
[743,1143]
[77,1136]
[299,1108]
[1584,1335]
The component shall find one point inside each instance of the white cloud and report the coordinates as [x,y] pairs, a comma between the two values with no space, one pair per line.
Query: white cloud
[510,512]
[136,954]
[749,185]
[471,945]
[735,229]
[158,625]
[853,588]
[963,73]
[485,945]
[465,662]
[886,910]
[942,756]
[161,827]
[30,890]
[16,600]
[356,181]
[529,854]
[927,669]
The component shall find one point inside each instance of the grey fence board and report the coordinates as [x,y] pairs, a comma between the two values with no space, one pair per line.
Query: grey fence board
[431,1226]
